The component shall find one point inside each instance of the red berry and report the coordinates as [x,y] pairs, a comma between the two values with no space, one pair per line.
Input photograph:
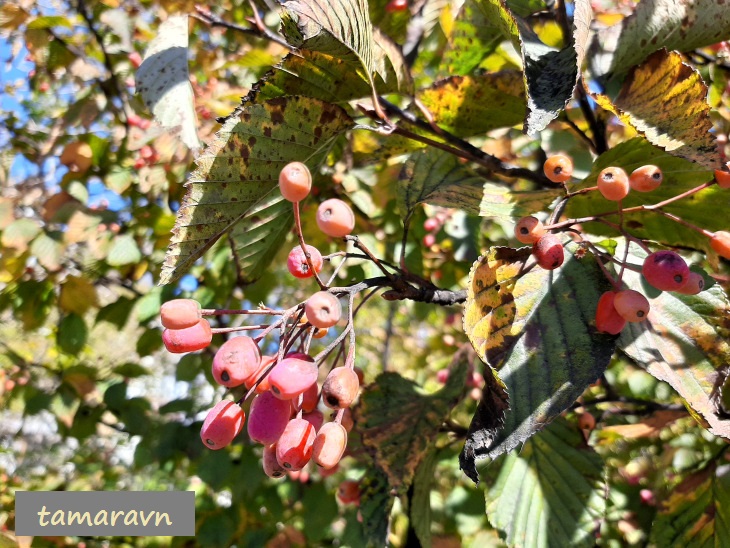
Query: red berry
[613,183]
[631,305]
[135,58]
[528,230]
[558,168]
[329,445]
[189,339]
[335,218]
[665,270]
[268,418]
[396,5]
[295,181]
[429,240]
[265,363]
[349,492]
[323,309]
[548,252]
[310,398]
[340,388]
[294,448]
[297,262]
[694,285]
[236,361]
[315,418]
[586,421]
[272,468]
[291,377]
[646,178]
[607,319]
[720,242]
[442,375]
[223,423]
[723,178]
[431,224]
[180,313]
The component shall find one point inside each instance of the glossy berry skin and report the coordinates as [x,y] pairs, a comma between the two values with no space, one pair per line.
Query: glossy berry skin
[646,178]
[528,230]
[694,285]
[272,468]
[223,423]
[236,361]
[190,339]
[323,310]
[631,305]
[180,313]
[722,178]
[395,6]
[291,377]
[294,448]
[720,242]
[297,262]
[329,445]
[665,270]
[548,252]
[335,218]
[267,418]
[613,183]
[558,168]
[607,319]
[349,492]
[340,388]
[295,181]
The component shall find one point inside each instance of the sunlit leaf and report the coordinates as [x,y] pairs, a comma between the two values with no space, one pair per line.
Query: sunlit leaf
[78,294]
[123,251]
[18,234]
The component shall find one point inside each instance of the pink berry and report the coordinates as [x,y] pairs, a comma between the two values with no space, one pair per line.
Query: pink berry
[335,218]
[631,305]
[665,270]
[291,377]
[431,224]
[297,262]
[548,252]
[329,445]
[190,339]
[315,418]
[429,240]
[223,423]
[266,362]
[180,313]
[310,398]
[323,309]
[272,468]
[442,375]
[340,388]
[236,361]
[267,418]
[694,285]
[294,448]
[295,181]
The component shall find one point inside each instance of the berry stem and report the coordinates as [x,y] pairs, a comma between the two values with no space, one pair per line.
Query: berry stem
[681,221]
[232,312]
[215,330]
[303,245]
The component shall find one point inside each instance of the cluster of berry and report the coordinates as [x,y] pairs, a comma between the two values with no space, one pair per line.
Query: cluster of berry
[665,270]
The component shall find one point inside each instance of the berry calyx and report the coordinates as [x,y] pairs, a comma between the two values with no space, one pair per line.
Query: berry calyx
[631,305]
[646,178]
[340,388]
[548,252]
[528,230]
[335,218]
[222,423]
[608,320]
[558,168]
[323,310]
[236,361]
[297,262]
[613,183]
[190,339]
[294,448]
[720,242]
[694,285]
[329,445]
[295,181]
[665,270]
[180,313]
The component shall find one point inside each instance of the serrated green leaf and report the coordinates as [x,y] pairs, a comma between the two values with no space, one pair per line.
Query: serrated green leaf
[550,493]
[72,334]
[685,341]
[679,176]
[472,105]
[398,423]
[665,100]
[240,169]
[123,251]
[436,177]
[536,328]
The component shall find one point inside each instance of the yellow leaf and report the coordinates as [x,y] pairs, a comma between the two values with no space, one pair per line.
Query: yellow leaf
[77,295]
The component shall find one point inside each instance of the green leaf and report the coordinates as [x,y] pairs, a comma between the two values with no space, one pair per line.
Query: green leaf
[685,341]
[131,370]
[376,503]
[472,105]
[666,101]
[123,251]
[419,509]
[49,251]
[438,178]
[319,510]
[49,21]
[19,234]
[240,169]
[679,176]
[536,327]
[697,512]
[72,334]
[682,25]
[399,424]
[550,493]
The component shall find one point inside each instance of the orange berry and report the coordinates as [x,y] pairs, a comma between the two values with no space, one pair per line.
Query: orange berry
[720,242]
[631,305]
[295,181]
[646,178]
[722,177]
[613,183]
[558,168]
[528,230]
[607,319]
[586,421]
